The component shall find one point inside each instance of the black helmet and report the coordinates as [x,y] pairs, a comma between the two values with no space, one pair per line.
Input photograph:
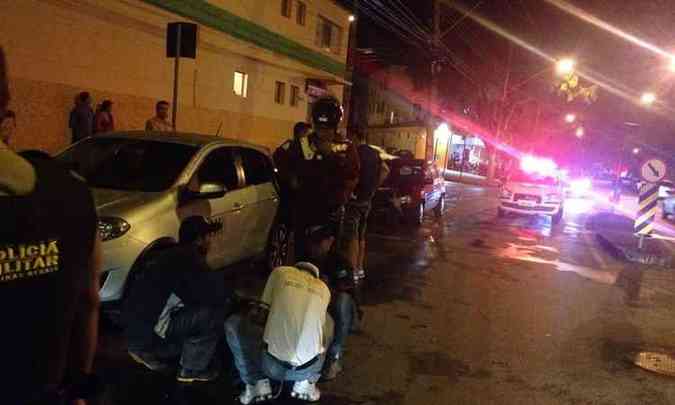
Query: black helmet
[327,112]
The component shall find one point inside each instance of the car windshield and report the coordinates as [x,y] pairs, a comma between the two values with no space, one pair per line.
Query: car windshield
[128,164]
[520,176]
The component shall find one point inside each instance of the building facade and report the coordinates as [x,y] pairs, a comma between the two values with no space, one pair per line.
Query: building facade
[258,67]
[391,110]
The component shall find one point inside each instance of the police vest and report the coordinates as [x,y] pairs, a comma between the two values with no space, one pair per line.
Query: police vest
[46,240]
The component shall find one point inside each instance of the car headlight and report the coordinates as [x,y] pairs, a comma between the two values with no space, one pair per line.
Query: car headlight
[112,228]
[553,197]
[506,193]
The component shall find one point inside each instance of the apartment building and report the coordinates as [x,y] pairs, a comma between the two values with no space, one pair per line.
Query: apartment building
[259,63]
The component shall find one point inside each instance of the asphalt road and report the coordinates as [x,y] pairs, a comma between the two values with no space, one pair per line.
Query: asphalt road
[471,309]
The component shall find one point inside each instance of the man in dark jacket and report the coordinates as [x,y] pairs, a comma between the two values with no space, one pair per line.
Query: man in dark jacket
[284,157]
[50,259]
[177,306]
[82,117]
[327,172]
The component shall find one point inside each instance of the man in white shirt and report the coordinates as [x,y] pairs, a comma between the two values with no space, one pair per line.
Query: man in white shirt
[160,122]
[297,331]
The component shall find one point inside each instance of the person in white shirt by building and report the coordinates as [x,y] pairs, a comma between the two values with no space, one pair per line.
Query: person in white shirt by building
[290,342]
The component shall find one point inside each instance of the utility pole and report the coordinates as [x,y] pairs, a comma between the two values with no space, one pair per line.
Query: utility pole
[348,93]
[433,90]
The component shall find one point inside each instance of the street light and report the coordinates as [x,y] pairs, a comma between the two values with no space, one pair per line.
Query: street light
[570,118]
[636,151]
[580,132]
[352,18]
[565,66]
[648,98]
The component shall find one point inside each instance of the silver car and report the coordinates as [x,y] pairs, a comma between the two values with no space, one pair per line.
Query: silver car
[144,184]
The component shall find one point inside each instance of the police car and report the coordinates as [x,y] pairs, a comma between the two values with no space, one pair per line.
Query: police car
[533,189]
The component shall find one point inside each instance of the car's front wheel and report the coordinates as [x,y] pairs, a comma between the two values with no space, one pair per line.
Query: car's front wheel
[278,246]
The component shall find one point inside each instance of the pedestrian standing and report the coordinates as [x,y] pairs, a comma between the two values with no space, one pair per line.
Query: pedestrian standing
[104,121]
[8,127]
[284,157]
[160,122]
[327,173]
[51,258]
[82,117]
[373,172]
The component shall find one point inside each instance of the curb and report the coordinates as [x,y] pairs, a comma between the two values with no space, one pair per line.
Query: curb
[611,248]
[633,255]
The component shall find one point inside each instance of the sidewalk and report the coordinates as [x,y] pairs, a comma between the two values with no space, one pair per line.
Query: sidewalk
[615,234]
[469,178]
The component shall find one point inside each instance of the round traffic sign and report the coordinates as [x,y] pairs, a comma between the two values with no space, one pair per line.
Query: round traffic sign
[653,170]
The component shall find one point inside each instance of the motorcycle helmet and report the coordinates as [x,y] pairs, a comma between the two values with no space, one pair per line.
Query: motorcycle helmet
[327,112]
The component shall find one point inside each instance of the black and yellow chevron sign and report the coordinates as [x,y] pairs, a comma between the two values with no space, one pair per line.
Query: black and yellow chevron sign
[644,221]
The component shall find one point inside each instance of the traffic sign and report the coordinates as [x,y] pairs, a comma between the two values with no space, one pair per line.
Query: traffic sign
[653,170]
[647,207]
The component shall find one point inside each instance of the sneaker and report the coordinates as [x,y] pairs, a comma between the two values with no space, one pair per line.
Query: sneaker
[306,391]
[150,361]
[359,274]
[261,391]
[331,369]
[185,375]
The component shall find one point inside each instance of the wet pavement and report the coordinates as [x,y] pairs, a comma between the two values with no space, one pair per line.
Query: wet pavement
[473,309]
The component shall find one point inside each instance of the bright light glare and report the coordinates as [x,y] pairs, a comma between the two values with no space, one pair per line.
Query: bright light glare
[442,133]
[352,18]
[565,66]
[671,65]
[580,186]
[531,164]
[648,98]
[580,132]
[570,118]
[636,151]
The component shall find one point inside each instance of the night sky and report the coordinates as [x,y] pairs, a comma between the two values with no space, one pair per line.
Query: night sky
[386,27]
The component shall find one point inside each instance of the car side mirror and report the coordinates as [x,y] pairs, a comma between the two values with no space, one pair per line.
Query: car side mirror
[207,191]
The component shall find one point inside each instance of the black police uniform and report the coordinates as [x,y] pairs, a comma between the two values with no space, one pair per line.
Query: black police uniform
[46,241]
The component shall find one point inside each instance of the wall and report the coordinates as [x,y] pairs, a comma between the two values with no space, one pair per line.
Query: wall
[412,139]
[116,49]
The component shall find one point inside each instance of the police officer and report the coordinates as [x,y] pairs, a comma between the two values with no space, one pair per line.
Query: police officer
[284,158]
[49,264]
[327,171]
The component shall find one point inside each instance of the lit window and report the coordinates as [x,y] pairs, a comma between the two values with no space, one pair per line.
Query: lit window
[300,17]
[295,95]
[240,86]
[280,92]
[286,8]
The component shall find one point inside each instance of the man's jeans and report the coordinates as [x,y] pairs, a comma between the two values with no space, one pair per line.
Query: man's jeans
[199,329]
[252,360]
[193,334]
[342,309]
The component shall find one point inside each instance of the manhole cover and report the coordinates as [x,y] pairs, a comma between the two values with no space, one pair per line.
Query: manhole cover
[661,363]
